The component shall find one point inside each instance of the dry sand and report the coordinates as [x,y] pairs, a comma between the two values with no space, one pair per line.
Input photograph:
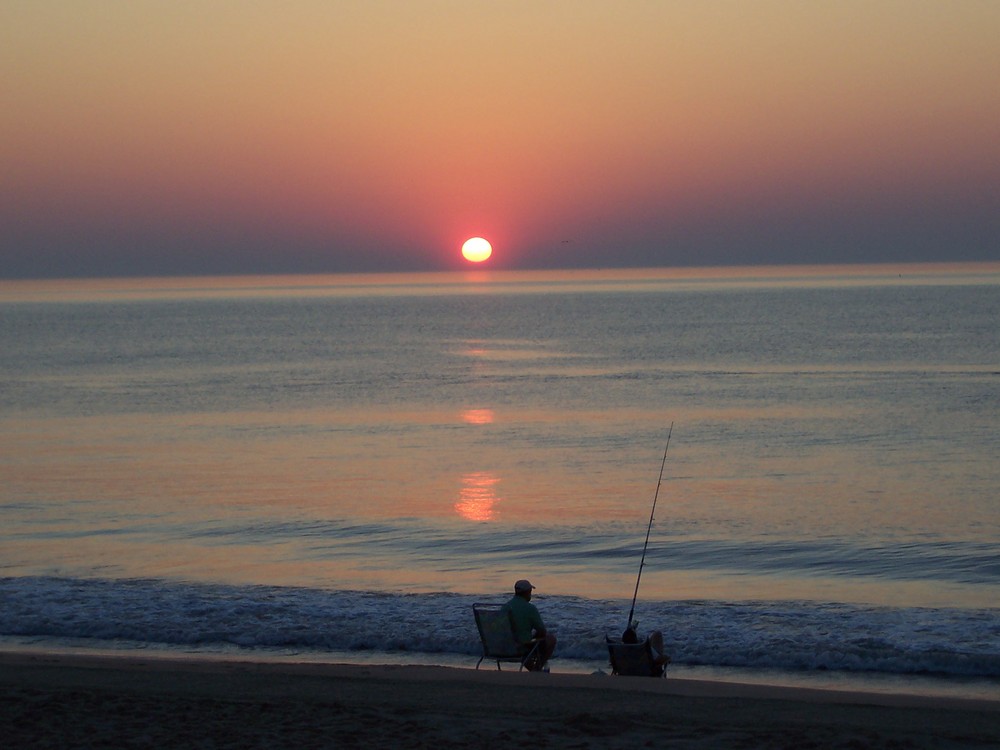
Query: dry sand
[81,701]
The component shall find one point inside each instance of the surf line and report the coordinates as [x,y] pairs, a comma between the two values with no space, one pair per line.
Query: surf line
[642,562]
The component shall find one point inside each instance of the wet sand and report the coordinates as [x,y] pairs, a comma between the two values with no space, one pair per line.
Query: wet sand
[86,701]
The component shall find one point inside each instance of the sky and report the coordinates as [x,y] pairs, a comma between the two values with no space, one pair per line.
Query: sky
[201,137]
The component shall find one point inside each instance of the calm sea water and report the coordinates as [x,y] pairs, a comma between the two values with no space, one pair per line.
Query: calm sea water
[344,464]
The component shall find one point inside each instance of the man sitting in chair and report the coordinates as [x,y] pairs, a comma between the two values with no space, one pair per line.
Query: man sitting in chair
[528,625]
[655,639]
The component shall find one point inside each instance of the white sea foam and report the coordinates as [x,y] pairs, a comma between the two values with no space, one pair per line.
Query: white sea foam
[791,636]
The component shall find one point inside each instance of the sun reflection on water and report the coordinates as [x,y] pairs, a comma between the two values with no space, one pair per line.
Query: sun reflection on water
[477,497]
[477,416]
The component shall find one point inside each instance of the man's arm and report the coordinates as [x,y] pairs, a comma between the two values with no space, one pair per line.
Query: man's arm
[537,624]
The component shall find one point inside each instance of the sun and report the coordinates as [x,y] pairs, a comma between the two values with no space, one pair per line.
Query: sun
[477,250]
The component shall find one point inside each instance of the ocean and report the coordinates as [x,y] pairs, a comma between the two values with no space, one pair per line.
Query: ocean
[337,467]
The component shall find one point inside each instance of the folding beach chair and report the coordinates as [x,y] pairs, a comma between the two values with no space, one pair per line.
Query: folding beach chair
[634,659]
[496,631]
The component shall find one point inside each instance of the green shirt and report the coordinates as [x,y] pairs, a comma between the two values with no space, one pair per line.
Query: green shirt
[525,617]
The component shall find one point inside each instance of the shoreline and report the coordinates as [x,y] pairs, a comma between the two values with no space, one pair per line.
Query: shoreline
[937,687]
[137,701]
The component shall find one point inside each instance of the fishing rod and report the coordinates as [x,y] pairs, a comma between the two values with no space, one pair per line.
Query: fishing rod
[656,494]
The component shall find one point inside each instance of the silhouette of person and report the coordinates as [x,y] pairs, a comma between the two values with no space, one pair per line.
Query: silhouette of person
[655,641]
[528,625]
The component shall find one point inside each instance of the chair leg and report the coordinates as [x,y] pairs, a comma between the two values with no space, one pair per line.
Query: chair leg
[528,656]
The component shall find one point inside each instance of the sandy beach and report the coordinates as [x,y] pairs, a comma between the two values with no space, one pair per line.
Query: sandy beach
[53,701]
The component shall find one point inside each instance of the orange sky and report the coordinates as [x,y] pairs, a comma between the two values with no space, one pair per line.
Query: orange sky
[244,137]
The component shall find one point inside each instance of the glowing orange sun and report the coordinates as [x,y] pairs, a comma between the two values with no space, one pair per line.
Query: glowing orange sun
[477,250]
